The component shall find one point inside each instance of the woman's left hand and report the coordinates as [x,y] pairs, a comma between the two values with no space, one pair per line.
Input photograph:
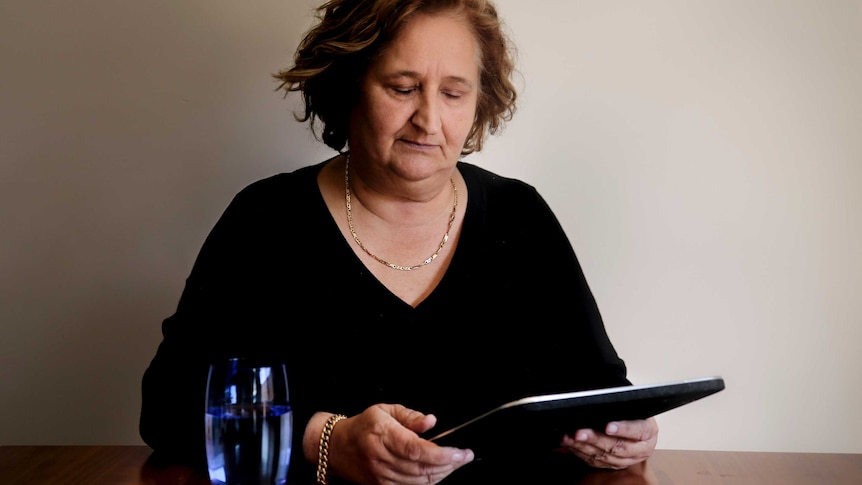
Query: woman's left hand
[622,444]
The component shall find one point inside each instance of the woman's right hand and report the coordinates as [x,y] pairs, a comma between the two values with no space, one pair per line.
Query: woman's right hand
[382,446]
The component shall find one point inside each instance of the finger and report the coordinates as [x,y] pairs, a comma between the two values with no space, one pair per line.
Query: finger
[599,449]
[422,425]
[408,457]
[639,430]
[408,471]
[601,459]
[617,445]
[422,452]
[413,472]
[597,457]
[404,444]
[429,478]
[412,419]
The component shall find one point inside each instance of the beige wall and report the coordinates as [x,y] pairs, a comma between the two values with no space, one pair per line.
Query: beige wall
[704,157]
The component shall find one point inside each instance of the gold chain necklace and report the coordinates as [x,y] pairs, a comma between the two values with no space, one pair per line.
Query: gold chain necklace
[379,259]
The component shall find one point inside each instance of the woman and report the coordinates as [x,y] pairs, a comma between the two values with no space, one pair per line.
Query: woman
[383,275]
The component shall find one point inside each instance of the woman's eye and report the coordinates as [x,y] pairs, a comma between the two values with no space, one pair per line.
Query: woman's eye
[404,90]
[451,94]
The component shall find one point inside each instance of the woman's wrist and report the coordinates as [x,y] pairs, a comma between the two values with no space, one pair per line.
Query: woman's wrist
[317,441]
[311,436]
[324,447]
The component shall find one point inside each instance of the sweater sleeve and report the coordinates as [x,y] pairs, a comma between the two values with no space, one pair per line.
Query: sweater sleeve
[574,338]
[583,329]
[230,291]
[535,278]
[174,384]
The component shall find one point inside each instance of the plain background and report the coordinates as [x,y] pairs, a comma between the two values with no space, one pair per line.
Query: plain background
[704,157]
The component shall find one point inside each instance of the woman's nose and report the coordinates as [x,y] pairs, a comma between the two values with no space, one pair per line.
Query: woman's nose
[427,114]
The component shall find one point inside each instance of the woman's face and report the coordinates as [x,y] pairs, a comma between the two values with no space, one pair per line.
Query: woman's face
[418,101]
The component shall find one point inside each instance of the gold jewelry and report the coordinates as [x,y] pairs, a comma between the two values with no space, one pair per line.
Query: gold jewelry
[323,448]
[379,259]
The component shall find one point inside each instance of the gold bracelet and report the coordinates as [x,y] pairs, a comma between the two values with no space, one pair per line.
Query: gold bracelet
[323,449]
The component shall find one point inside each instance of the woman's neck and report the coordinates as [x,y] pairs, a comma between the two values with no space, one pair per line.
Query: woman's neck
[398,202]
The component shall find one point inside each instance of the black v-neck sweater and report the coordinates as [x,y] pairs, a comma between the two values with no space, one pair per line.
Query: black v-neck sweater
[513,315]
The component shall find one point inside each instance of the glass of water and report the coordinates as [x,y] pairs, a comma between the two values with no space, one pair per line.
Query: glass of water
[249,423]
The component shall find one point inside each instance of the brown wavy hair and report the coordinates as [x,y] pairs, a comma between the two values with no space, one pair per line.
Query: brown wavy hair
[335,54]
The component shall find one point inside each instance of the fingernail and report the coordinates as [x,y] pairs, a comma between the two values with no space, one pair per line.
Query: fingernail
[612,428]
[568,441]
[582,436]
[462,456]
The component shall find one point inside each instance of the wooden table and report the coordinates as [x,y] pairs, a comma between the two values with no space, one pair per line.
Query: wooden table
[128,465]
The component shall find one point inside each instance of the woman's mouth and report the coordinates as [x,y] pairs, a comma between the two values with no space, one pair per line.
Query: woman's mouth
[418,145]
